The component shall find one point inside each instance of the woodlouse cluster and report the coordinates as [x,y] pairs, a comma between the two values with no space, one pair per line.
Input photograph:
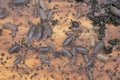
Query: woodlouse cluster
[43,30]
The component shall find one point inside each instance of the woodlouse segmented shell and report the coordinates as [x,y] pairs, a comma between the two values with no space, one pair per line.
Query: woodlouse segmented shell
[102,57]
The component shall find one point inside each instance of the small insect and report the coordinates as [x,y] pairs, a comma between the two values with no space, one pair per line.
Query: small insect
[43,15]
[86,58]
[68,41]
[70,33]
[31,33]
[74,50]
[50,13]
[90,63]
[98,47]
[46,61]
[82,50]
[90,75]
[48,29]
[44,58]
[35,12]
[18,60]
[102,57]
[78,14]
[73,59]
[52,46]
[39,32]
[44,49]
[14,49]
[115,11]
[19,2]
[11,27]
[57,54]
[67,52]
[43,5]
[3,13]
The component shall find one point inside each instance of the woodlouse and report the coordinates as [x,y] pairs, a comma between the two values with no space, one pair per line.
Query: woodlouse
[82,50]
[74,50]
[115,11]
[50,13]
[15,48]
[44,58]
[73,59]
[43,15]
[98,47]
[36,12]
[19,2]
[43,5]
[102,57]
[44,49]
[67,52]
[48,29]
[90,75]
[39,32]
[68,41]
[11,27]
[3,13]
[31,32]
[18,60]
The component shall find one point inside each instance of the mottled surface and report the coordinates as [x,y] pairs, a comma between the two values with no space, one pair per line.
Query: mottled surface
[60,68]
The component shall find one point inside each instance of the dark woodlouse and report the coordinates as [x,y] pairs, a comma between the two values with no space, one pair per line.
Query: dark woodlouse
[82,50]
[90,63]
[98,47]
[78,14]
[39,32]
[52,46]
[31,32]
[36,12]
[46,61]
[57,54]
[3,13]
[14,49]
[73,59]
[67,52]
[50,13]
[70,33]
[90,75]
[44,49]
[44,58]
[43,15]
[68,41]
[11,27]
[19,2]
[48,29]
[74,50]
[86,58]
[43,5]
[18,60]
[115,11]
